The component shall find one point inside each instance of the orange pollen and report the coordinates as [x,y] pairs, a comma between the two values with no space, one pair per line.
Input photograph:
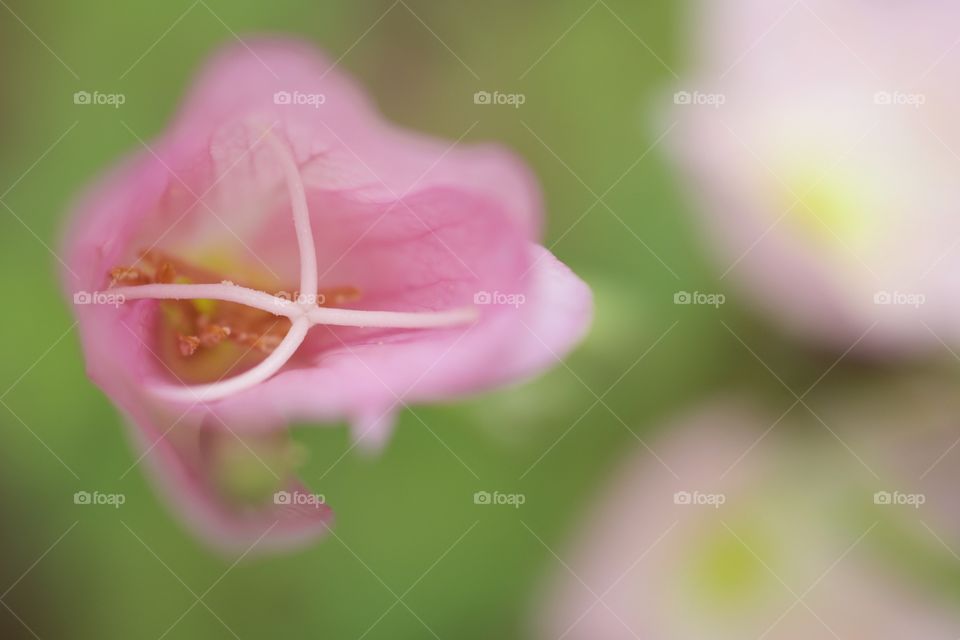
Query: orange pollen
[188,344]
[127,276]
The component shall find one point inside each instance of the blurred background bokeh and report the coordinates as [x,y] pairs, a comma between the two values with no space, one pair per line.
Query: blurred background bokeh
[414,556]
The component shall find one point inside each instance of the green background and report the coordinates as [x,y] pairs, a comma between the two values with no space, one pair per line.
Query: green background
[406,522]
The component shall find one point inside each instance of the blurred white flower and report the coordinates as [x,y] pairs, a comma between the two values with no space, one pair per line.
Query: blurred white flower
[758,536]
[822,148]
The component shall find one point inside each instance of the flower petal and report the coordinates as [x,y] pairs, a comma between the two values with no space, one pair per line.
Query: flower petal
[182,458]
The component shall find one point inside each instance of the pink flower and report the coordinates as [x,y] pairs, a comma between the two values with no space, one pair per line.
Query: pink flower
[282,254]
[822,155]
[746,535]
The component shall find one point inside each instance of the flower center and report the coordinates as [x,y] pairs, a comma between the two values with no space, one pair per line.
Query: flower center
[203,340]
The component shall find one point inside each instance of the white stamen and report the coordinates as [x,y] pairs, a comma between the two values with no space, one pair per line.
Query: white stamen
[303,315]
[392,319]
[301,217]
[227,292]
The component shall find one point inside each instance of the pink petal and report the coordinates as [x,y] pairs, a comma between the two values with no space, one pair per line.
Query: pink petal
[181,475]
